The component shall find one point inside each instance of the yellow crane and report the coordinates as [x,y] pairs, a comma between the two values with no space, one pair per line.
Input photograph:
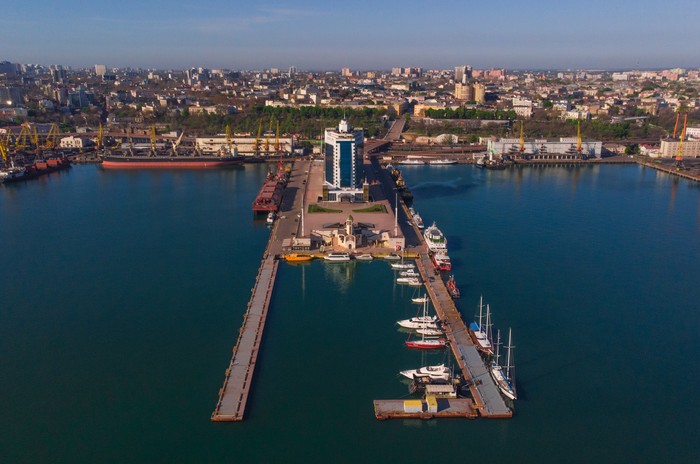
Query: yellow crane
[153,140]
[277,139]
[24,138]
[579,144]
[522,139]
[100,138]
[230,144]
[3,153]
[52,137]
[267,139]
[256,145]
[679,156]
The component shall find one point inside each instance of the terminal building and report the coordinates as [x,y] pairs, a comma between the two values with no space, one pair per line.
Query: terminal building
[343,164]
[669,148]
[564,148]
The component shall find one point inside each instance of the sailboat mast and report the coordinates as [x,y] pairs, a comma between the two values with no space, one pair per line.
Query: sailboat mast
[498,345]
[481,310]
[487,332]
[508,356]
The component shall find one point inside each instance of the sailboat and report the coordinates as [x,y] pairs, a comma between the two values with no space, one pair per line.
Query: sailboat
[427,343]
[479,335]
[505,380]
[420,322]
[402,265]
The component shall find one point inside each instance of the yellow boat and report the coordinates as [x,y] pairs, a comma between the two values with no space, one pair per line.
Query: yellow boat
[297,257]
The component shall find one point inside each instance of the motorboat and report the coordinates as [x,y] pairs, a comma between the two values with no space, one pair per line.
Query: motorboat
[297,257]
[438,372]
[364,257]
[442,261]
[337,257]
[409,273]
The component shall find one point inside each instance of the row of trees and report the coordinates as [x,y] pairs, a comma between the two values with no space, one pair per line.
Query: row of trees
[309,122]
[469,113]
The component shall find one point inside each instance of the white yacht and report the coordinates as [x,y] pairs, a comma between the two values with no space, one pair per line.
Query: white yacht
[435,239]
[439,372]
[504,377]
[337,257]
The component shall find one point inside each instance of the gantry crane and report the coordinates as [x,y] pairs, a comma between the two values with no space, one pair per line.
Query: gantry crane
[52,137]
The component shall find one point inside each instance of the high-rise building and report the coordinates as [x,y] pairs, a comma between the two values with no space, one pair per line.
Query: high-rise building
[346,72]
[343,158]
[100,70]
[479,93]
[463,73]
[464,92]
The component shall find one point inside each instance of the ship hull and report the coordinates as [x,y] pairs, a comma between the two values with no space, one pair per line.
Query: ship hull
[180,162]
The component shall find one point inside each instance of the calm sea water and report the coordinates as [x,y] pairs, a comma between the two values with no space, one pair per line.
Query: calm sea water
[122,293]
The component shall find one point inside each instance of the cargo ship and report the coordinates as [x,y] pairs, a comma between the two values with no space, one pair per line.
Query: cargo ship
[270,195]
[180,161]
[36,169]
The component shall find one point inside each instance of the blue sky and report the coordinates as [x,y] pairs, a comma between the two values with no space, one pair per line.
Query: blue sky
[310,34]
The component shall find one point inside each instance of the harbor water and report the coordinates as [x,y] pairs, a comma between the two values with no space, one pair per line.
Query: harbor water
[122,294]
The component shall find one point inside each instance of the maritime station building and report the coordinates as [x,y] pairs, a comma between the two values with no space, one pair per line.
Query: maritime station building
[564,148]
[343,149]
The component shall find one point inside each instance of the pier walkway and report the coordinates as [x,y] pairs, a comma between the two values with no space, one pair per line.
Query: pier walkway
[487,398]
[233,395]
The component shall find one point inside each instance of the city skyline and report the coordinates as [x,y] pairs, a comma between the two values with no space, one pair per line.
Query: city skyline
[311,35]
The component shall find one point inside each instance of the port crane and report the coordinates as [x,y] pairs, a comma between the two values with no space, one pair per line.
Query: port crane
[177,144]
[52,138]
[579,143]
[256,145]
[153,141]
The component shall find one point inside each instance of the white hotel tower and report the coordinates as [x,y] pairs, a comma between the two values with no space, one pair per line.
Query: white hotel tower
[343,158]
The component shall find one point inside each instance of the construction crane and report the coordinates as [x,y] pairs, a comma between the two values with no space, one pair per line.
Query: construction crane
[679,156]
[256,145]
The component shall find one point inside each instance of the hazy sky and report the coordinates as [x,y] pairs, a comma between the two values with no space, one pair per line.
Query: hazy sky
[360,34]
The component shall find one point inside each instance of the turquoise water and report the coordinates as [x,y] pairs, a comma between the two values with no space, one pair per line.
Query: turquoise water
[122,294]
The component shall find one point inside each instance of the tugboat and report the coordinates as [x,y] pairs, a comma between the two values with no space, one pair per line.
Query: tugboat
[452,288]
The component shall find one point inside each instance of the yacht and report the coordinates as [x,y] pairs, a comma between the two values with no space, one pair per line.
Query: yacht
[480,332]
[418,221]
[435,239]
[337,257]
[409,273]
[504,378]
[442,162]
[364,257]
[439,372]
